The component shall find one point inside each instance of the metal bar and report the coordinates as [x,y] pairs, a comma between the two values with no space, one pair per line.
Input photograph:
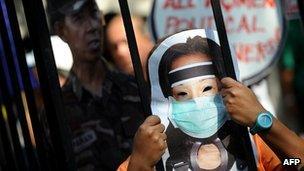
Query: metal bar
[229,68]
[8,161]
[59,131]
[39,135]
[221,29]
[301,9]
[142,85]
[12,134]
[3,161]
[14,74]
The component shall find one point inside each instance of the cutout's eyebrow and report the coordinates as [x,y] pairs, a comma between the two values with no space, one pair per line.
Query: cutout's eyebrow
[179,85]
[201,80]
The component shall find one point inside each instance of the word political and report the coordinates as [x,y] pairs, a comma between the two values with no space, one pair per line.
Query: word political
[242,18]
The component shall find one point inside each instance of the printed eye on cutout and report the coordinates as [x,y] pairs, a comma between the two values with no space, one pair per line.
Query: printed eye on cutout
[182,94]
[207,88]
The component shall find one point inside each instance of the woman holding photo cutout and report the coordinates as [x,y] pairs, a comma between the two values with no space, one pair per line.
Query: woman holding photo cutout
[192,119]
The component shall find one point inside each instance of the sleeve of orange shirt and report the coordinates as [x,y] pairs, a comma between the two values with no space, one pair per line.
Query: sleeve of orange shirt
[267,160]
[124,165]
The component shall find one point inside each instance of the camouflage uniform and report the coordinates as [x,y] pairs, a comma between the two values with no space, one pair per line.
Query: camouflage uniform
[102,127]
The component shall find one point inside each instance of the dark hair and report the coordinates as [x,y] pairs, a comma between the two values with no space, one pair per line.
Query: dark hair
[196,45]
[58,9]
[53,13]
[53,18]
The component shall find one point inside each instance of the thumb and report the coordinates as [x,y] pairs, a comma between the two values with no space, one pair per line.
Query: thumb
[152,120]
[228,82]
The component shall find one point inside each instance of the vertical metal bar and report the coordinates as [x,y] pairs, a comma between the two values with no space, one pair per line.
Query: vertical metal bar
[142,85]
[301,9]
[45,63]
[9,159]
[229,68]
[29,94]
[11,58]
[221,29]
[14,149]
[3,161]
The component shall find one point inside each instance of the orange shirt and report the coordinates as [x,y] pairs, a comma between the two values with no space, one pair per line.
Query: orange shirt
[267,160]
[124,165]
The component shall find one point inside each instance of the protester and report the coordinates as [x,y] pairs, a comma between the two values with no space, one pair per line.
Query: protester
[186,75]
[244,109]
[117,44]
[102,106]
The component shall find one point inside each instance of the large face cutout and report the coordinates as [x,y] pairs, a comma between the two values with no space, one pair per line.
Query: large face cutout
[189,77]
[184,94]
[208,155]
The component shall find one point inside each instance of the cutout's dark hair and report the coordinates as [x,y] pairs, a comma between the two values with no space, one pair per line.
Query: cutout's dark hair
[195,45]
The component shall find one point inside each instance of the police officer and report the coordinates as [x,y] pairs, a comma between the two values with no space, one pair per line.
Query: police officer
[102,106]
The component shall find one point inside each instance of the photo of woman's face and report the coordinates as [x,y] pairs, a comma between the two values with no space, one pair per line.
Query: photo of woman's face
[208,155]
[194,88]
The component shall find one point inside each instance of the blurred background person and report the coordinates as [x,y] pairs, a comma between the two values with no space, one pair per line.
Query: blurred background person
[117,45]
[292,70]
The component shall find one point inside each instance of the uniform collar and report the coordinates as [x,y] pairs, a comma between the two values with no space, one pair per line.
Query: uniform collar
[78,89]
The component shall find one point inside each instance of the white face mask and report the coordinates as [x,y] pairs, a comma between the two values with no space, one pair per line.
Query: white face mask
[201,117]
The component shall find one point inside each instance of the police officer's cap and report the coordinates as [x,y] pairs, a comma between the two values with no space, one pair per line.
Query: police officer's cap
[57,9]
